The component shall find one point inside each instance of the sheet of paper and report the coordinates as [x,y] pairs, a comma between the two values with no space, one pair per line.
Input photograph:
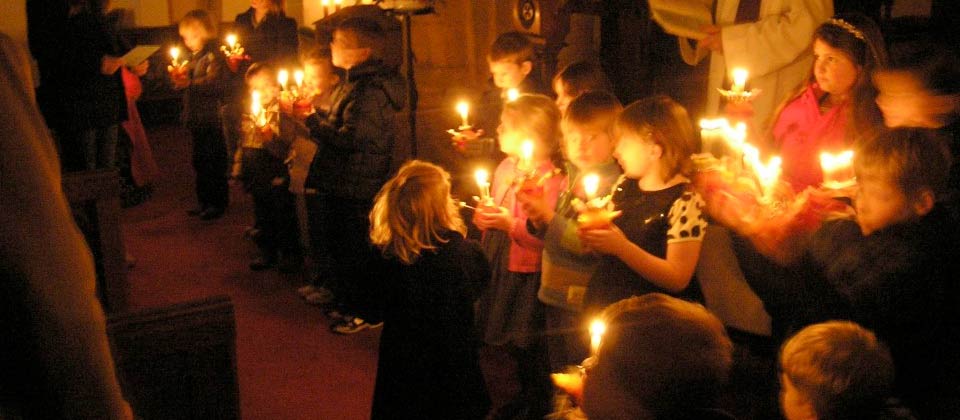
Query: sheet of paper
[682,18]
[139,53]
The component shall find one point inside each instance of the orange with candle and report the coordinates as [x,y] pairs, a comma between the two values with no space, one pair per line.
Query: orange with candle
[597,212]
[177,67]
[234,52]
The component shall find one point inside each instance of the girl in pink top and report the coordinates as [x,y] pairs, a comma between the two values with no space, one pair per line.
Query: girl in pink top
[835,108]
[510,317]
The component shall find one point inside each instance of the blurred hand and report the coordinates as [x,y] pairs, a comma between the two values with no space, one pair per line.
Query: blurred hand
[713,41]
[493,218]
[606,240]
[110,64]
[141,69]
[535,207]
[179,82]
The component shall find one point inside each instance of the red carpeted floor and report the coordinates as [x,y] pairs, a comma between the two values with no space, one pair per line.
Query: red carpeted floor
[290,366]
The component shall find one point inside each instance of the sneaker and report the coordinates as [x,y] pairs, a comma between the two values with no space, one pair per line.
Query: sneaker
[352,325]
[307,290]
[320,296]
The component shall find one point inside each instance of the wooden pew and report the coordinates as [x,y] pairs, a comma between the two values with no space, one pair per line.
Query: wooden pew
[178,362]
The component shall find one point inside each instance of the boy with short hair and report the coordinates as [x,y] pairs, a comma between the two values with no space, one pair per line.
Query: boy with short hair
[355,150]
[891,270]
[836,370]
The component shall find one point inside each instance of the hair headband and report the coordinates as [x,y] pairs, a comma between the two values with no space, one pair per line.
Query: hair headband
[848,27]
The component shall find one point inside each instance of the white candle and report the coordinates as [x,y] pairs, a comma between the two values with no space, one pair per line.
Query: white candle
[712,136]
[512,94]
[463,108]
[483,181]
[597,329]
[336,5]
[591,183]
[739,80]
[837,168]
[526,155]
[282,77]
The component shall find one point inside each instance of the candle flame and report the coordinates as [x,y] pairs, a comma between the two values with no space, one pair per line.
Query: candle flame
[526,153]
[337,2]
[591,183]
[298,77]
[174,53]
[714,124]
[831,162]
[463,108]
[739,78]
[482,177]
[232,40]
[512,94]
[597,329]
[324,3]
[255,106]
[282,77]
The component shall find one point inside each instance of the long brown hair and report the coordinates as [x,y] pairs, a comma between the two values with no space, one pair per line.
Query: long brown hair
[860,39]
[412,210]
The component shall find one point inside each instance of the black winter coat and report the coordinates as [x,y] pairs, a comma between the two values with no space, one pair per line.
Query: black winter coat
[356,138]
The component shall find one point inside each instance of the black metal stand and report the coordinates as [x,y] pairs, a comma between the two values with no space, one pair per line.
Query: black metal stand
[406,16]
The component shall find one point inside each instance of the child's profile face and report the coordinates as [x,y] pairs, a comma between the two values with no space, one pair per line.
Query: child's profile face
[563,99]
[835,72]
[266,84]
[510,136]
[587,145]
[194,36]
[880,202]
[345,50]
[635,154]
[905,102]
[793,404]
[508,74]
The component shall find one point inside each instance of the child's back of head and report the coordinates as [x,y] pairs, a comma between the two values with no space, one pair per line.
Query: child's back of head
[412,211]
[659,355]
[834,370]
[533,117]
[366,33]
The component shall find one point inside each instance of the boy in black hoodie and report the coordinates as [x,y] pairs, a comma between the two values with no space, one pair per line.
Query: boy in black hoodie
[354,159]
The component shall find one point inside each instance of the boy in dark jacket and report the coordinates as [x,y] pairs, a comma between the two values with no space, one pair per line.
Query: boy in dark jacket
[204,83]
[356,140]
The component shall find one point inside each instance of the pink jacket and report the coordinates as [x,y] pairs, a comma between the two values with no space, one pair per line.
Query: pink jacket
[525,249]
[802,133]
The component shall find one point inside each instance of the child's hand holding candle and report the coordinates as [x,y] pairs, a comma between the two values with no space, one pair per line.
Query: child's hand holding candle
[594,214]
[483,182]
[837,170]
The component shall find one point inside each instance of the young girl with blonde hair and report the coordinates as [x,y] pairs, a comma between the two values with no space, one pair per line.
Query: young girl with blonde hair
[428,364]
[510,318]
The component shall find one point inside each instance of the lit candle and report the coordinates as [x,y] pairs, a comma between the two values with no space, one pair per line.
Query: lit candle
[175,54]
[464,109]
[324,4]
[597,329]
[298,78]
[767,173]
[512,94]
[591,183]
[282,77]
[526,155]
[712,136]
[336,5]
[739,80]
[483,181]
[837,169]
[232,41]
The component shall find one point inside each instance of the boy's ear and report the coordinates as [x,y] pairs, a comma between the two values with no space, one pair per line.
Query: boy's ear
[924,202]
[526,67]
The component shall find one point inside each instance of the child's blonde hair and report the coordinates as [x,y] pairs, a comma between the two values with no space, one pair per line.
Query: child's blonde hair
[666,123]
[199,17]
[411,211]
[537,116]
[840,367]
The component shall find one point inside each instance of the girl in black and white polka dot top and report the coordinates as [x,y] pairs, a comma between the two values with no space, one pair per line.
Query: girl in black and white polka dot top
[655,244]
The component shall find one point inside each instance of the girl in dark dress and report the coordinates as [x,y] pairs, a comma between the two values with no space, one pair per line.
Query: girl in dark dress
[428,366]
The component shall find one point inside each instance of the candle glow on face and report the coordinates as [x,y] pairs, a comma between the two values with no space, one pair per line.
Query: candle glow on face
[591,183]
[526,153]
[739,79]
[597,329]
[463,109]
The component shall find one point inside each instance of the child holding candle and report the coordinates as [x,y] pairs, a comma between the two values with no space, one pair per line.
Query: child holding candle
[892,269]
[204,84]
[355,141]
[654,246]
[835,108]
[428,365]
[588,144]
[510,317]
[262,169]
